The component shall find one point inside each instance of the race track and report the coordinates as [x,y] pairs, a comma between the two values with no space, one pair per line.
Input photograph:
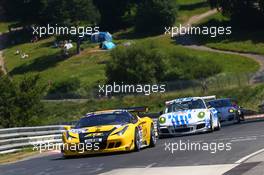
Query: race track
[245,138]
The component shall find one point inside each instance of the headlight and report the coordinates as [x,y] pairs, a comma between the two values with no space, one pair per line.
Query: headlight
[201,115]
[231,110]
[122,131]
[162,120]
[69,136]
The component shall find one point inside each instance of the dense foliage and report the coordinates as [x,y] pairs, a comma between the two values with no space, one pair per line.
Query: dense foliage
[111,15]
[241,10]
[20,103]
[154,15]
[149,62]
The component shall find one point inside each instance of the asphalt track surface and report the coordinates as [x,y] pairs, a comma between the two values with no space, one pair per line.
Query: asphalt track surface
[245,138]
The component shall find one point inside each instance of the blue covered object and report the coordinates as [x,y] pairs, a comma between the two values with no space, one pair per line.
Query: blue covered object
[101,37]
[108,45]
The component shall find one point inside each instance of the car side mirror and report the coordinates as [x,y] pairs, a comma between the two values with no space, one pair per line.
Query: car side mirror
[209,106]
[67,127]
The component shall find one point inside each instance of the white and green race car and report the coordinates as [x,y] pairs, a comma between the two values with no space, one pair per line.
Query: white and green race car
[188,115]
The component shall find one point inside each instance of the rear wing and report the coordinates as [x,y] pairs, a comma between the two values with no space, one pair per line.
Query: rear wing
[206,98]
[130,109]
[136,109]
[212,97]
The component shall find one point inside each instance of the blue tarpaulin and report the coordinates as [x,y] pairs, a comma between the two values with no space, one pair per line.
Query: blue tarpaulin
[101,37]
[108,45]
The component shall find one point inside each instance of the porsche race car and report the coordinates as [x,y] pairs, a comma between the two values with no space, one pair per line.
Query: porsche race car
[229,111]
[109,131]
[188,115]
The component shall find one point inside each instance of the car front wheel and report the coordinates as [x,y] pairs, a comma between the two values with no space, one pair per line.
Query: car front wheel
[137,143]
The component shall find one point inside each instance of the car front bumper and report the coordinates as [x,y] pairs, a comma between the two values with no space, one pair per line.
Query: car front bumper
[185,129]
[111,145]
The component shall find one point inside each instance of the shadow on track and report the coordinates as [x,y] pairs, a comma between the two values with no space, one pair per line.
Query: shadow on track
[97,155]
[223,125]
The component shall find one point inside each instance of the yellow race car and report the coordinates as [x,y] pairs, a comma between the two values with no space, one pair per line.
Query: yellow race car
[109,131]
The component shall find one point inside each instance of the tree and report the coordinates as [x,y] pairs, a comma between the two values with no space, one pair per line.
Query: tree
[8,109]
[28,101]
[239,10]
[70,13]
[20,103]
[25,11]
[113,13]
[139,63]
[154,15]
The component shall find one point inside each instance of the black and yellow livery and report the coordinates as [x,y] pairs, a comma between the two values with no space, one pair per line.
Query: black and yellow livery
[109,131]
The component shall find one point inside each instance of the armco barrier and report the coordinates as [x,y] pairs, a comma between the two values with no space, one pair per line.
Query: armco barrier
[14,139]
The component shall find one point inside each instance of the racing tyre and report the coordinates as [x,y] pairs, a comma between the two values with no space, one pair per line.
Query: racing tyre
[137,143]
[242,117]
[218,126]
[153,139]
[238,120]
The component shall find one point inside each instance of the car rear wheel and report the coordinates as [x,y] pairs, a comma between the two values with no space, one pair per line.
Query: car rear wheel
[153,139]
[137,143]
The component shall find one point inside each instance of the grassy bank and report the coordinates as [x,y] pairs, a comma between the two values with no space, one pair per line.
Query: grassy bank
[189,8]
[4,25]
[17,156]
[59,112]
[250,39]
[89,66]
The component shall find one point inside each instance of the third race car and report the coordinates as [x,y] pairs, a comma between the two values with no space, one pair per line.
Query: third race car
[228,110]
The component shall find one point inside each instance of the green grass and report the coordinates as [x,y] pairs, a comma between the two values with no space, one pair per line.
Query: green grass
[4,26]
[189,2]
[190,8]
[46,61]
[89,68]
[249,40]
[229,63]
[248,97]
[20,155]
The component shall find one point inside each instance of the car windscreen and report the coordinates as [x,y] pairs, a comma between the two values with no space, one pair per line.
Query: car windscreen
[220,103]
[193,104]
[104,119]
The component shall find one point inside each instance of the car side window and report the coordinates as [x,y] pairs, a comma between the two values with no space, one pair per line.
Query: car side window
[198,104]
[134,119]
